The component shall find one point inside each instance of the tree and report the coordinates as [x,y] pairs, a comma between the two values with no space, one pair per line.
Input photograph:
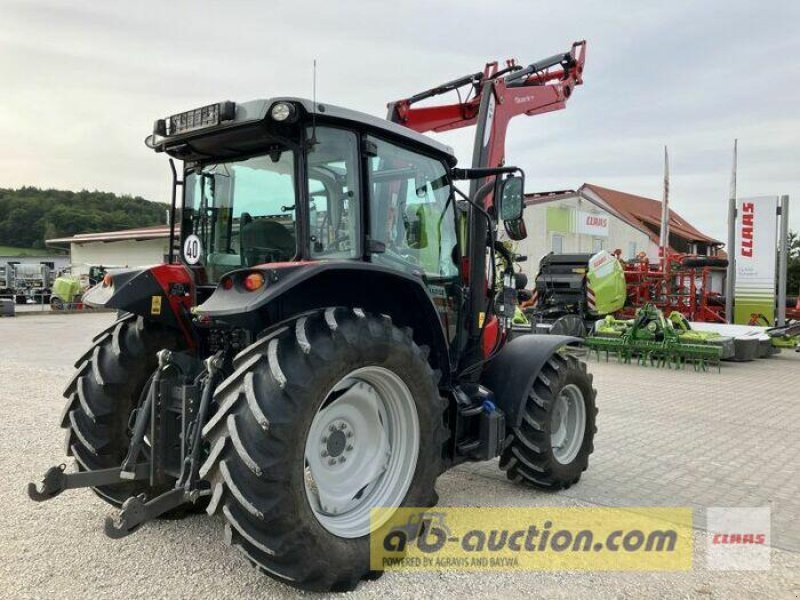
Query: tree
[29,215]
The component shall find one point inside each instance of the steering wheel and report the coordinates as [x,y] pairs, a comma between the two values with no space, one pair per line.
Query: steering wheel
[335,245]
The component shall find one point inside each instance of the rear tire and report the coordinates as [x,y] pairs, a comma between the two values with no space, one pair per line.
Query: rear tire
[531,455]
[259,437]
[572,325]
[103,393]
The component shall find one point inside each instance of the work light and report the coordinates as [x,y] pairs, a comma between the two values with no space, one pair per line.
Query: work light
[198,118]
[282,111]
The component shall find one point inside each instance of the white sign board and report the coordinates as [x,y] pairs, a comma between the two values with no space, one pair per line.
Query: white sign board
[595,224]
[756,252]
[192,249]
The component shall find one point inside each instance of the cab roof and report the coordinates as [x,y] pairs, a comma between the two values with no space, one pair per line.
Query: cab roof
[196,143]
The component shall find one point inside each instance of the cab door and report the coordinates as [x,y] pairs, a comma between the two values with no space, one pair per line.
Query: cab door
[412,222]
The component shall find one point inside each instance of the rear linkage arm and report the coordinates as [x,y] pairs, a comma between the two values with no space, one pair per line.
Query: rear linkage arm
[136,510]
[55,480]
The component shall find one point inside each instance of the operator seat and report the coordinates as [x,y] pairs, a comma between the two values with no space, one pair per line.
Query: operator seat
[264,240]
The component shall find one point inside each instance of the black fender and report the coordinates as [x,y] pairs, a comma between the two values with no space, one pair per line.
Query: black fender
[294,288]
[159,293]
[510,374]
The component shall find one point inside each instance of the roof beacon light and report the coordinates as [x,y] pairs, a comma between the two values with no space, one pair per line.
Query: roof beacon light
[282,111]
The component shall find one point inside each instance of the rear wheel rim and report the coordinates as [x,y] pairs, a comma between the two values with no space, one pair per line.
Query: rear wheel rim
[361,451]
[568,424]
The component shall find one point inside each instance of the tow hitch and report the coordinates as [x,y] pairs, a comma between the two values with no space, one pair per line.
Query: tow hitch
[172,417]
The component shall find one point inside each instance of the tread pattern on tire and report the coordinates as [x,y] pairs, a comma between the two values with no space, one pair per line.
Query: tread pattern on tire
[102,393]
[528,457]
[252,463]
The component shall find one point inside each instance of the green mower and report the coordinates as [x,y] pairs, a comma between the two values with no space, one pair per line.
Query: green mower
[657,341]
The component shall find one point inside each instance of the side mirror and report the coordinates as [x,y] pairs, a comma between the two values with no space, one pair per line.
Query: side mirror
[510,196]
[510,193]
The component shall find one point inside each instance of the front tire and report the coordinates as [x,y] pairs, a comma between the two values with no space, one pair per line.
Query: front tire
[310,392]
[550,449]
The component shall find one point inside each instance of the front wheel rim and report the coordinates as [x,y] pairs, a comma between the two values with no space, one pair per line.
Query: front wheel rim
[361,451]
[568,424]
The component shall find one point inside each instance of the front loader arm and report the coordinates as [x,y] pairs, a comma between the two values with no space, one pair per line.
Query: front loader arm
[541,87]
[493,97]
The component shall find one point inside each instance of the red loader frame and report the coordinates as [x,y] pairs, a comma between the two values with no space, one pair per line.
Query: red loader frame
[494,97]
[503,94]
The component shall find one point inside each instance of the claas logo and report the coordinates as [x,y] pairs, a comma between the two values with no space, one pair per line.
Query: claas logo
[748,217]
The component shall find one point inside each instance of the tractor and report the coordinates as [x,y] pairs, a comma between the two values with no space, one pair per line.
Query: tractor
[329,335]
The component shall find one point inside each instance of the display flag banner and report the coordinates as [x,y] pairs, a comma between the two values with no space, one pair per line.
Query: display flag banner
[756,252]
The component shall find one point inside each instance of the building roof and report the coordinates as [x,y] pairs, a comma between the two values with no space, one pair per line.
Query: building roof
[543,197]
[140,233]
[647,212]
[639,212]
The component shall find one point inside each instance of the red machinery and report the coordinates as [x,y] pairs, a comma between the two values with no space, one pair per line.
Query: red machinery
[681,283]
[493,97]
[794,312]
[505,93]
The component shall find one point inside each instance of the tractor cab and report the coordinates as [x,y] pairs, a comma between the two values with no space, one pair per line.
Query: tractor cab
[277,181]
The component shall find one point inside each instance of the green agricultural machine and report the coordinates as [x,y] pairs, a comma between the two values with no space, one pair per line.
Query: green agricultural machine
[786,337]
[68,288]
[572,291]
[655,340]
[580,294]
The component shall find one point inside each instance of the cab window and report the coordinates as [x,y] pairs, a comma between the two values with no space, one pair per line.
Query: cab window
[242,213]
[412,217]
[334,205]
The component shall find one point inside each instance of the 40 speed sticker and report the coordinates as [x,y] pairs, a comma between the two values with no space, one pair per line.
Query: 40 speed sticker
[527,539]
[192,249]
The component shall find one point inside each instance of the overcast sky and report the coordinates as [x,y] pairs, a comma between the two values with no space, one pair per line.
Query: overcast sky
[82,82]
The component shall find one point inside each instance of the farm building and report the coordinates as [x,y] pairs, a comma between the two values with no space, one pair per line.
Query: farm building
[127,248]
[594,218]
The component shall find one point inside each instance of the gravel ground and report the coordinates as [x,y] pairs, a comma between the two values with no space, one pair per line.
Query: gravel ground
[57,549]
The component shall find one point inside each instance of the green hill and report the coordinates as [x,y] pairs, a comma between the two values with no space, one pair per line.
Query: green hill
[15,251]
[29,215]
